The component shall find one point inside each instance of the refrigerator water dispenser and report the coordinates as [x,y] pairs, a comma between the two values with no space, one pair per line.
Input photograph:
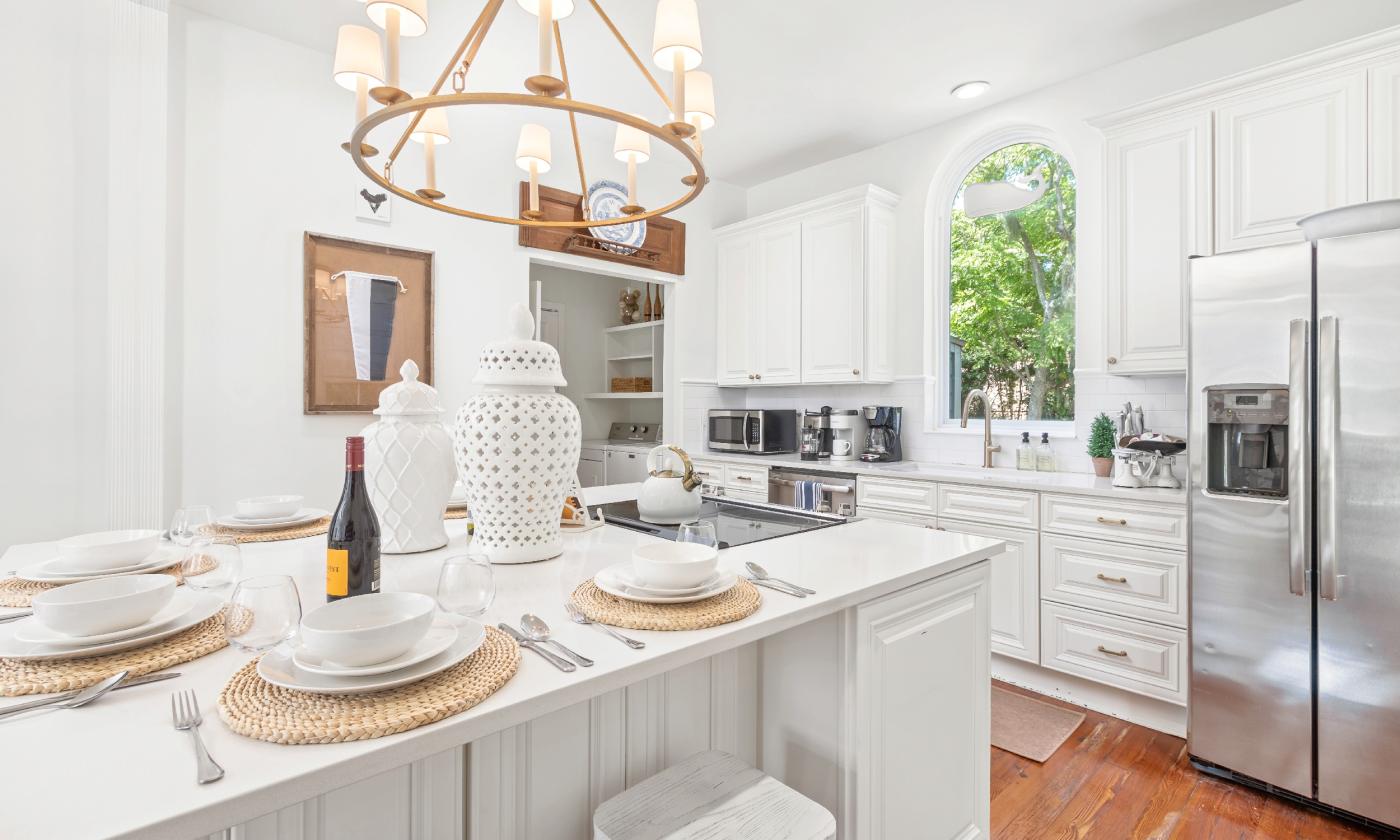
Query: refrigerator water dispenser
[1247,441]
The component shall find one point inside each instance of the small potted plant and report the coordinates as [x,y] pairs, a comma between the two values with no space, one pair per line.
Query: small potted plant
[1101,433]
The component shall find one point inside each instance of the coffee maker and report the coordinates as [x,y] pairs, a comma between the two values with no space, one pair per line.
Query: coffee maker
[816,434]
[882,437]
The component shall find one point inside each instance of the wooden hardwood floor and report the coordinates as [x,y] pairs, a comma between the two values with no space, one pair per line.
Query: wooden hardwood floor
[1115,780]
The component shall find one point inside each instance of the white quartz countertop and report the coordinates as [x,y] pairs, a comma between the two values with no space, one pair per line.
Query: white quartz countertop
[1079,484]
[117,768]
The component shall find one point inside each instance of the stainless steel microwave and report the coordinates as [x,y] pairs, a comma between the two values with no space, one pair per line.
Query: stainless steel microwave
[757,432]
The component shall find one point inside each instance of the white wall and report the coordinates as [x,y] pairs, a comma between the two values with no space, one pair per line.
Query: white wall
[909,165]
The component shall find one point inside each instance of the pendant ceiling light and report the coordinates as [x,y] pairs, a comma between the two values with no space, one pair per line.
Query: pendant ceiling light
[676,48]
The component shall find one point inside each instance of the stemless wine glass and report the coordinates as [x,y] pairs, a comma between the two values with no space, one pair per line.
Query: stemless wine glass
[699,532]
[263,612]
[211,562]
[190,522]
[465,585]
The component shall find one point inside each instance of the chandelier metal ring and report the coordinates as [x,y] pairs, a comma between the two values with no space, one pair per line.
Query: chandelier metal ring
[525,100]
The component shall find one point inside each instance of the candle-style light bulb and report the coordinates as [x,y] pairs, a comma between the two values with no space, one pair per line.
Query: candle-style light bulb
[399,19]
[532,154]
[545,83]
[631,146]
[432,131]
[358,65]
[675,46]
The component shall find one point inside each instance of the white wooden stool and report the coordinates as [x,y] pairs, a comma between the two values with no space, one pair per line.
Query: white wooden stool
[712,796]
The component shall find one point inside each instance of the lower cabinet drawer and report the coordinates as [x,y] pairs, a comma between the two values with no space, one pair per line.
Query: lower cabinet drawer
[746,495]
[917,498]
[746,478]
[1139,523]
[1139,582]
[1132,655]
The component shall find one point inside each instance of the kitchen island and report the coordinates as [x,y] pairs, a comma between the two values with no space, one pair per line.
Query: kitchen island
[870,697]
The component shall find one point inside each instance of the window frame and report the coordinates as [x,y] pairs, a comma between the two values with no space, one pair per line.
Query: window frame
[938,277]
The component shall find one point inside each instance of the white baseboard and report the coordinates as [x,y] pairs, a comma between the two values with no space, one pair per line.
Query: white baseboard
[1134,708]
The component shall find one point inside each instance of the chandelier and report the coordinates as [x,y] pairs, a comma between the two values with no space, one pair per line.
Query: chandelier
[360,66]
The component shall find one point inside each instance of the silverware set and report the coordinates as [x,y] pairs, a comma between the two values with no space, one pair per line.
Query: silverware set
[759,576]
[83,696]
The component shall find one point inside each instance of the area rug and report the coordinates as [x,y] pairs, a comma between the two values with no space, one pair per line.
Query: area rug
[1029,727]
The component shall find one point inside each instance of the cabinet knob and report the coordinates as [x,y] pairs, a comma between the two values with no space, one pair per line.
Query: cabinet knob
[855,371]
[751,376]
[1113,360]
[758,376]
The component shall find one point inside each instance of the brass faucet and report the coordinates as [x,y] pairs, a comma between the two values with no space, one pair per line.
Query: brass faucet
[987,447]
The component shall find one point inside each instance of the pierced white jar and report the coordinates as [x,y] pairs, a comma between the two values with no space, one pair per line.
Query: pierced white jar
[517,446]
[409,467]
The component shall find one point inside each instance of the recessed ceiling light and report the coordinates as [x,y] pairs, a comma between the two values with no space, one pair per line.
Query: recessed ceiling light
[970,90]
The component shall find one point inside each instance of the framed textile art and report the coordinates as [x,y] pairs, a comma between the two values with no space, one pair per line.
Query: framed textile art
[367,309]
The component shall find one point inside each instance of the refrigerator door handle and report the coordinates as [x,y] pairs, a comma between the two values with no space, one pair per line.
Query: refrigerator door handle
[1299,489]
[1328,389]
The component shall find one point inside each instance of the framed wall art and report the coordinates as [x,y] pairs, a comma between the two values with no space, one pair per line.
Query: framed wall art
[368,308]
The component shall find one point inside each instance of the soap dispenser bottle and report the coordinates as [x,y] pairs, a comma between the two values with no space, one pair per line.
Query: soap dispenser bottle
[1025,454]
[1044,455]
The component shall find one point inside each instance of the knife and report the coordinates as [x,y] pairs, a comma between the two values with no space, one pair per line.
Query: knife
[59,698]
[775,587]
[558,662]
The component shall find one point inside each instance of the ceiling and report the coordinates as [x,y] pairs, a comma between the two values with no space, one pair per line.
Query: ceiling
[797,82]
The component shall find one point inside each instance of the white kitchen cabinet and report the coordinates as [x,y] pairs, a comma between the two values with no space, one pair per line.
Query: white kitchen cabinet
[1015,587]
[922,687]
[623,467]
[1136,656]
[1284,151]
[1159,192]
[805,294]
[590,472]
[1385,131]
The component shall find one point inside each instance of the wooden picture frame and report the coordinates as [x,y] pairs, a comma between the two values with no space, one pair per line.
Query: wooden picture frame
[347,365]
[662,250]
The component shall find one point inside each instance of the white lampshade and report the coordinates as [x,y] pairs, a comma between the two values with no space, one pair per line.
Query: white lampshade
[413,15]
[700,99]
[533,148]
[434,122]
[357,55]
[631,141]
[559,9]
[677,30]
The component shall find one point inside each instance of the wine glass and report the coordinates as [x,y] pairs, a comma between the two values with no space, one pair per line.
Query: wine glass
[466,586]
[190,522]
[211,562]
[700,532]
[263,612]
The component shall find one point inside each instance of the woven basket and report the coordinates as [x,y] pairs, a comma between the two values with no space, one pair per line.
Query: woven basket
[631,384]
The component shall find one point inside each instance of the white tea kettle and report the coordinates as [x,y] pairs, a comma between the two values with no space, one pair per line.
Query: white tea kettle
[668,497]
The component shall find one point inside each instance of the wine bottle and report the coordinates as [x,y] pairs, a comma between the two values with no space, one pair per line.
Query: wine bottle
[352,544]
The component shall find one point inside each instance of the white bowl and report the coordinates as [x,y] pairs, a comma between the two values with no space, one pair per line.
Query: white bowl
[104,605]
[268,507]
[367,629]
[109,549]
[674,565]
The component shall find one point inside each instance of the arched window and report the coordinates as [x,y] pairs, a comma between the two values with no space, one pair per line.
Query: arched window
[1009,319]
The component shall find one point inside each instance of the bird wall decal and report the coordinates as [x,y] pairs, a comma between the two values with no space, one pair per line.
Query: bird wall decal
[373,200]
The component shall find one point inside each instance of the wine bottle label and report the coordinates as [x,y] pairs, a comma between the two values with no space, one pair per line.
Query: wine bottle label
[337,571]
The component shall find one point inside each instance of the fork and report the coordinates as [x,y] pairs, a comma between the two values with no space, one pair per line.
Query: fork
[577,616]
[184,709]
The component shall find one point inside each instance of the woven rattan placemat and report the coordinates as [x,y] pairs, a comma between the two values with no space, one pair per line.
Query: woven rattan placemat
[310,529]
[456,513]
[15,592]
[738,602]
[47,675]
[253,707]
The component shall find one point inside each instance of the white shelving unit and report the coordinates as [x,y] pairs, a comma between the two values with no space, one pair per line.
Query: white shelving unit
[633,350]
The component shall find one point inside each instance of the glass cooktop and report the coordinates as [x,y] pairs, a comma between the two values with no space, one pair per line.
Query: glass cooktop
[736,523]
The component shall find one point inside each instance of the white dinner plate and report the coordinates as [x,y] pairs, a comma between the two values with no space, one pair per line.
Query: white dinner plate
[277,667]
[302,517]
[438,639]
[33,631]
[59,569]
[205,606]
[625,574]
[611,585]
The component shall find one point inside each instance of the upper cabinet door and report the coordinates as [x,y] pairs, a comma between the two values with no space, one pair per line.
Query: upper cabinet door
[1385,131]
[776,321]
[736,273]
[1159,189]
[1286,152]
[833,291]
[879,294]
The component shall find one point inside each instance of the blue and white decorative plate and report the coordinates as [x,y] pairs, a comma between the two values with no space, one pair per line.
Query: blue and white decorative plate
[605,201]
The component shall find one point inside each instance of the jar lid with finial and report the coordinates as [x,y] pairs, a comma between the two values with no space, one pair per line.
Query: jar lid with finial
[408,396]
[518,359]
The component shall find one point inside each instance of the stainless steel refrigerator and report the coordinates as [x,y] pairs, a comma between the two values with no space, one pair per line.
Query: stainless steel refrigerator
[1294,389]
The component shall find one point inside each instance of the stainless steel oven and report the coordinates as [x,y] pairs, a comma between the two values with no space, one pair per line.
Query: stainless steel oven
[755,431]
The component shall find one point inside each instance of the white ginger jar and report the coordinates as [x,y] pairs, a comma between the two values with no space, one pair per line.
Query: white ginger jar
[517,446]
[409,466]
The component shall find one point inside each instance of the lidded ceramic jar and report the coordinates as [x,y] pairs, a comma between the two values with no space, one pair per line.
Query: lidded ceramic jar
[517,446]
[409,467]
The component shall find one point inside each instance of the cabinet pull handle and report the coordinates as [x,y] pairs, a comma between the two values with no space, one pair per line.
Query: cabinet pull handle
[758,376]
[742,478]
[1113,360]
[1103,649]
[855,371]
[1102,576]
[751,376]
[1105,521]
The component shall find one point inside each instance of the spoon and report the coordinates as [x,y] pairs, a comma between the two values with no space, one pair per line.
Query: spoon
[82,698]
[579,618]
[537,631]
[762,574]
